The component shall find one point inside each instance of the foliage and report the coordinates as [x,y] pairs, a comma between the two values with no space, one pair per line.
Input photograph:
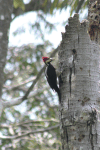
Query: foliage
[20,71]
[49,6]
[19,3]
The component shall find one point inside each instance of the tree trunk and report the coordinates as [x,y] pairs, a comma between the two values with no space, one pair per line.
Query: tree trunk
[5,18]
[79,60]
[94,20]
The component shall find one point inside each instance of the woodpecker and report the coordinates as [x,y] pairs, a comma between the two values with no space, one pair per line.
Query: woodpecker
[50,73]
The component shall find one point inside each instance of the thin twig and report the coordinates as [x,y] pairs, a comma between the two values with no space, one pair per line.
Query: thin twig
[19,100]
[29,122]
[38,76]
[79,5]
[9,88]
[30,132]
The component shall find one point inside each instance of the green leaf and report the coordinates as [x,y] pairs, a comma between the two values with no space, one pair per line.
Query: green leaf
[19,3]
[54,5]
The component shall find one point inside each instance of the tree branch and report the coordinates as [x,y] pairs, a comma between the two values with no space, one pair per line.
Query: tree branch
[28,122]
[30,132]
[9,88]
[79,5]
[19,100]
[45,102]
[33,6]
[38,76]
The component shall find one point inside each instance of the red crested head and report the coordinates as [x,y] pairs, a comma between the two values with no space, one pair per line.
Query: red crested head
[45,58]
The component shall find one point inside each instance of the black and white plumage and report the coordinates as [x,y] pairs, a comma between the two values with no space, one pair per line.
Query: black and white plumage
[51,76]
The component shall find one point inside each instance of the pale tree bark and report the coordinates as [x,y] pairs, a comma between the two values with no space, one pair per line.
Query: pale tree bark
[6,7]
[79,60]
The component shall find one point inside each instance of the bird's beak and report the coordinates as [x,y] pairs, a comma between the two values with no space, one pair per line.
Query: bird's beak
[51,59]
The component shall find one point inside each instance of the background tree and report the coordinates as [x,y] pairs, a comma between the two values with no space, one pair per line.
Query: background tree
[34,123]
[5,19]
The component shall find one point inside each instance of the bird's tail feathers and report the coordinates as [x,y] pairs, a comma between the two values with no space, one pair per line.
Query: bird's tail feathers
[59,94]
